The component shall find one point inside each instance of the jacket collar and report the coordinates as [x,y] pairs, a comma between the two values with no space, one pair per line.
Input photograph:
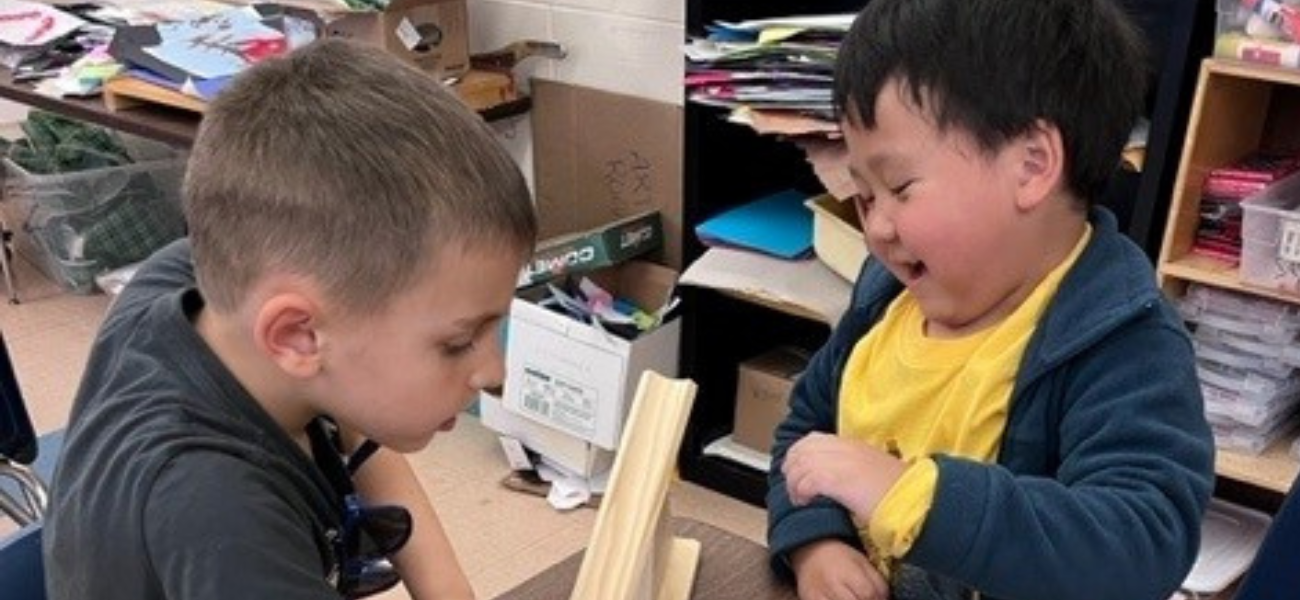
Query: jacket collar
[1111,281]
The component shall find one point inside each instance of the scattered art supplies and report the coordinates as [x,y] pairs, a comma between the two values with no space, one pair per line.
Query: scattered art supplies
[199,56]
[584,300]
[777,225]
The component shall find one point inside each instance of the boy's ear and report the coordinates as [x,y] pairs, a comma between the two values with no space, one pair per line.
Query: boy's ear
[1041,164]
[285,329]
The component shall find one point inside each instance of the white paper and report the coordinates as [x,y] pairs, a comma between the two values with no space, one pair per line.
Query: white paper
[33,24]
[840,22]
[568,489]
[808,284]
[725,447]
[1230,536]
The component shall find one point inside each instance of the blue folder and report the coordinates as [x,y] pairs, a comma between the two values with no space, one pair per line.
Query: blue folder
[779,225]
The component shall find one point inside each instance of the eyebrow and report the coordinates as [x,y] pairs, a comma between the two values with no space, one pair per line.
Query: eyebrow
[474,323]
[883,161]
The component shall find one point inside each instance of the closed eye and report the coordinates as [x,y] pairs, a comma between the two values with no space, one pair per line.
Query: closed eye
[453,350]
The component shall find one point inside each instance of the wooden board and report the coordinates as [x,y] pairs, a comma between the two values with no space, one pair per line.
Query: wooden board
[633,554]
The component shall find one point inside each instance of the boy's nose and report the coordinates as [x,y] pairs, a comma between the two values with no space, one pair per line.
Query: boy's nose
[879,226]
[491,370]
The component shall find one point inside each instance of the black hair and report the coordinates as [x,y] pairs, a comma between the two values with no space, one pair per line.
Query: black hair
[995,67]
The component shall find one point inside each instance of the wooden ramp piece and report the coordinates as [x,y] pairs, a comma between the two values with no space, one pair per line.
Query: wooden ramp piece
[632,554]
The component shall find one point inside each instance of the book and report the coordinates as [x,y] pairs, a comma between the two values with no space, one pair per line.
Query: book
[1258,166]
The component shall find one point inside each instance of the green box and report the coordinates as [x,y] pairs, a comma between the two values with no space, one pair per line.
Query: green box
[593,249]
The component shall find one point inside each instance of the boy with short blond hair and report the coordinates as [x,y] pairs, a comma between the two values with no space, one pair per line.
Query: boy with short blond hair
[1010,407]
[355,237]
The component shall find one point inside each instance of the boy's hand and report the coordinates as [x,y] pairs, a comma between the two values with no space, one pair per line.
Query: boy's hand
[833,570]
[852,473]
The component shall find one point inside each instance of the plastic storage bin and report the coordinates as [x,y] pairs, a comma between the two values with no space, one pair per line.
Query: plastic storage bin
[1270,233]
[1259,31]
[84,223]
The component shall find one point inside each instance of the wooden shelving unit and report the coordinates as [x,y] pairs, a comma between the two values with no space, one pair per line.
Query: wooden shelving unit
[1238,108]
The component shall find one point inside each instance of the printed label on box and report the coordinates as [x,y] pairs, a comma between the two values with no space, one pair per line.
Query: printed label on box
[567,404]
[1289,247]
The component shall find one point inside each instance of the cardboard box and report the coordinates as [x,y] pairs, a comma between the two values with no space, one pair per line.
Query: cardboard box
[837,235]
[598,248]
[576,455]
[430,34]
[579,378]
[599,157]
[763,395]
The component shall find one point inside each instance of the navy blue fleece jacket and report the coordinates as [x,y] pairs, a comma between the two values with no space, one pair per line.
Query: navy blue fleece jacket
[1106,465]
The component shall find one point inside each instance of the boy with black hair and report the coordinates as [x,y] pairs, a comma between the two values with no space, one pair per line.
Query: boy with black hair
[1010,407]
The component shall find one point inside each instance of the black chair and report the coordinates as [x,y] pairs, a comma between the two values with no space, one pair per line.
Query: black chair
[1275,573]
[22,570]
[26,461]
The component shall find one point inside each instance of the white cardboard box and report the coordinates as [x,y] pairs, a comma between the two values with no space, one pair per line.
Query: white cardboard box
[578,378]
[576,455]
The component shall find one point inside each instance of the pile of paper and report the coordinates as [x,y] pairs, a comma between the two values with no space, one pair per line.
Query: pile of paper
[773,72]
[197,57]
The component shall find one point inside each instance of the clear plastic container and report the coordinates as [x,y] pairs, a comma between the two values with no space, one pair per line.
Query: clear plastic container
[1259,31]
[86,223]
[1270,233]
[1267,320]
[1250,440]
[1230,408]
[1223,354]
[1284,351]
[1257,387]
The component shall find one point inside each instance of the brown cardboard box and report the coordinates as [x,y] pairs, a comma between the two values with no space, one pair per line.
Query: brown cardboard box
[600,156]
[431,34]
[763,395]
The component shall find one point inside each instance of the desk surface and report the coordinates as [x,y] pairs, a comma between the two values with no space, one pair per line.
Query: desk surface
[731,568]
[159,122]
[168,125]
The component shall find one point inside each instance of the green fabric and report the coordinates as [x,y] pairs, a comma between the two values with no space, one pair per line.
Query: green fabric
[89,208]
[56,144]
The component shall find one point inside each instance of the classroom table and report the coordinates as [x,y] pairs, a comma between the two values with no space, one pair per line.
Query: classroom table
[731,568]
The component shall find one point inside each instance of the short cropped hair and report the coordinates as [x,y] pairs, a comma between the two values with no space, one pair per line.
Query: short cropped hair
[995,67]
[340,163]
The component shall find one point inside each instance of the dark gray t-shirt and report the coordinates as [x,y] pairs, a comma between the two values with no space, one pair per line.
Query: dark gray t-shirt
[173,482]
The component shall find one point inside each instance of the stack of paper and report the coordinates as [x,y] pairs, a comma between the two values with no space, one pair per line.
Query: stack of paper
[781,64]
[28,29]
[198,57]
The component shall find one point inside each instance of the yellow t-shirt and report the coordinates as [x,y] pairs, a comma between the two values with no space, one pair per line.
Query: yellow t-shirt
[916,397]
